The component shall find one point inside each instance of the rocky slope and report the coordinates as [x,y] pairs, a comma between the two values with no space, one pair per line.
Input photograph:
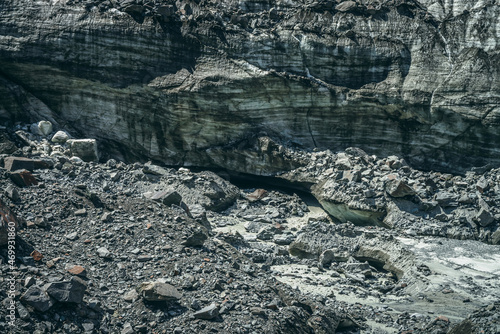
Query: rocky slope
[139,248]
[196,82]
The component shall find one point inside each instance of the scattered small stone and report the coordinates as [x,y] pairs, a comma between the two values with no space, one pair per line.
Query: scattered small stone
[256,195]
[131,296]
[495,237]
[127,329]
[88,326]
[36,255]
[274,305]
[144,258]
[445,199]
[258,311]
[197,239]
[106,217]
[29,281]
[81,212]
[52,263]
[12,193]
[154,170]
[22,311]
[72,236]
[104,253]
[482,185]
[346,6]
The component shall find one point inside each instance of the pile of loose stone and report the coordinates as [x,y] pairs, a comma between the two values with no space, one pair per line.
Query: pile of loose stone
[139,248]
[99,253]
[354,186]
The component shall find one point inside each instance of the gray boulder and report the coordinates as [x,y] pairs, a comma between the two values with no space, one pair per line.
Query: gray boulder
[398,188]
[71,291]
[158,291]
[37,298]
[484,217]
[207,313]
[85,149]
[44,128]
[60,137]
[167,197]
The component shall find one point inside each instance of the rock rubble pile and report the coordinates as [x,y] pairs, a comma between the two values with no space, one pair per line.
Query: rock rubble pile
[366,190]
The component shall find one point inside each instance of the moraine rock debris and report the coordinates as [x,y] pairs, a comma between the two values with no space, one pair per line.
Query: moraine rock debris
[392,249]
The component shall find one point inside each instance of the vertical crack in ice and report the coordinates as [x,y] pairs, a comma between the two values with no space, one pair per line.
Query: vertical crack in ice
[308,115]
[309,126]
[450,62]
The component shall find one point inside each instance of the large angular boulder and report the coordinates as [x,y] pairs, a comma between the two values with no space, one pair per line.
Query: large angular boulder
[207,313]
[23,178]
[85,149]
[15,163]
[167,197]
[484,217]
[71,291]
[158,291]
[398,188]
[36,297]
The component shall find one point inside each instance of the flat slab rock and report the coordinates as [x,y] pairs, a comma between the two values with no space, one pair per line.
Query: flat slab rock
[158,291]
[207,313]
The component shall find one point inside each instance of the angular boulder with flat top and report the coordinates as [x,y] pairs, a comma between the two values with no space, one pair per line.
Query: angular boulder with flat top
[158,291]
[85,149]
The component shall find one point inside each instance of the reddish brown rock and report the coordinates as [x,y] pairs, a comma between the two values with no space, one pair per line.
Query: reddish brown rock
[78,271]
[36,255]
[23,178]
